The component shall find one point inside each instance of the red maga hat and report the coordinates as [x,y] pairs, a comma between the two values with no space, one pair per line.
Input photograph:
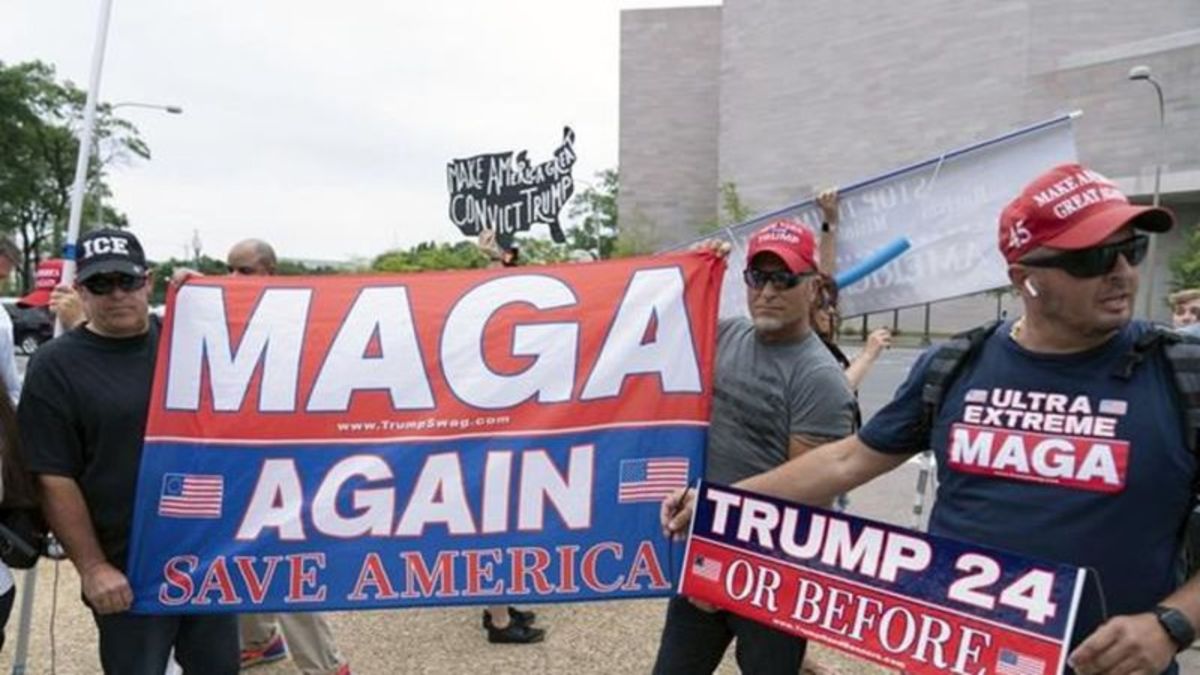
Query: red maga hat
[49,273]
[1071,207]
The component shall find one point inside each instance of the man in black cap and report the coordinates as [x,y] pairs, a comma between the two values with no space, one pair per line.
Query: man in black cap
[83,421]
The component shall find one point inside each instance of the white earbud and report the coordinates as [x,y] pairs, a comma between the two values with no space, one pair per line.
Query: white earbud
[1033,292]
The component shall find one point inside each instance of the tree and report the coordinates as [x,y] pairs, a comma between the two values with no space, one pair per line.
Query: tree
[733,210]
[39,121]
[597,207]
[213,267]
[1185,265]
[166,268]
[430,256]
[536,251]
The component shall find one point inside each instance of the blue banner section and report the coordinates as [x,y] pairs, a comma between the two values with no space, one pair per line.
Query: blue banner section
[276,527]
[1033,596]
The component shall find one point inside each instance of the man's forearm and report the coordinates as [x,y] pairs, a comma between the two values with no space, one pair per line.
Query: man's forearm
[810,478]
[67,514]
[1187,600]
[820,475]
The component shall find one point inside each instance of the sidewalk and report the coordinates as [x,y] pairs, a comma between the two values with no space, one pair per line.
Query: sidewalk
[588,639]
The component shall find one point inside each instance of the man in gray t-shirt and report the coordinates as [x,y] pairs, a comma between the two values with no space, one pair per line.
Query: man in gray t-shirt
[777,392]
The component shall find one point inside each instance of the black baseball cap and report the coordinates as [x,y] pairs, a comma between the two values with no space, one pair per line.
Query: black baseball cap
[107,251]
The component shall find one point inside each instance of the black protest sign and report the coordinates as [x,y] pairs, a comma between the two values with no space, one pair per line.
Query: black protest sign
[509,195]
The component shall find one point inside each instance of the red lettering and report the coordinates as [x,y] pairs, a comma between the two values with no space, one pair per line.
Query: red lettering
[591,560]
[566,569]
[373,574]
[301,577]
[217,579]
[536,571]
[442,575]
[255,587]
[480,571]
[645,564]
[178,574]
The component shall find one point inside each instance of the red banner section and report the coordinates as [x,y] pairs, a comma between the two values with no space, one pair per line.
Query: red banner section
[437,354]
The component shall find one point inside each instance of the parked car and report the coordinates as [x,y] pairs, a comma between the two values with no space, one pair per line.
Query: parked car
[31,327]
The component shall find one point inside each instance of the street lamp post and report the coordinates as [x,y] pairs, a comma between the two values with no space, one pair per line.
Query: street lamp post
[1142,74]
[169,109]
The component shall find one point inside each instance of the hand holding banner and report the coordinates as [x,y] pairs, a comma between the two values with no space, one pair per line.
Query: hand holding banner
[906,600]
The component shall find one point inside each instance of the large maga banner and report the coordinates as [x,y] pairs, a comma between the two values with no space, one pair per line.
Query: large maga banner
[948,209]
[909,601]
[441,438]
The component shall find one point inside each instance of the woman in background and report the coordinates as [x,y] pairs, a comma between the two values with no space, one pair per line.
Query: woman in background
[16,491]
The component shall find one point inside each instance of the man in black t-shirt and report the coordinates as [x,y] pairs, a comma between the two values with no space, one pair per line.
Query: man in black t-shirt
[83,422]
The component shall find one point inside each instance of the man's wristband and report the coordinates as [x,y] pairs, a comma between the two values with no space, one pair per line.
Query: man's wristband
[1177,626]
[825,226]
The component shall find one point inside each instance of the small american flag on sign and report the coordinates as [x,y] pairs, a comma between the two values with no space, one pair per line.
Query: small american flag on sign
[706,568]
[651,480]
[186,495]
[1015,663]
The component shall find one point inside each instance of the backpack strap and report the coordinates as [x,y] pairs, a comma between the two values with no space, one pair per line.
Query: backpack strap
[944,367]
[1183,354]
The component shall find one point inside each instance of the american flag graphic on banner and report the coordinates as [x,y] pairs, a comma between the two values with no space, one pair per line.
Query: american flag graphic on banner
[706,568]
[188,495]
[651,480]
[1016,663]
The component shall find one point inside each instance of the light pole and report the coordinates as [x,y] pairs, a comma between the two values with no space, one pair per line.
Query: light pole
[1142,74]
[85,147]
[172,109]
[196,248]
[169,109]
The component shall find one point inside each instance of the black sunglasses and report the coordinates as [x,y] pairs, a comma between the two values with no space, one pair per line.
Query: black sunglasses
[104,284]
[1093,262]
[781,280]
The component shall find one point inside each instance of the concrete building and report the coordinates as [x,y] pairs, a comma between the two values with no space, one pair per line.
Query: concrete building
[781,96]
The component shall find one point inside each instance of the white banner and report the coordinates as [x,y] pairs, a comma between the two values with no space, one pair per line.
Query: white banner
[948,208]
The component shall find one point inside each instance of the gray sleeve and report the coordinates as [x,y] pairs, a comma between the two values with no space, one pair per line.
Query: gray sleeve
[822,405]
[8,363]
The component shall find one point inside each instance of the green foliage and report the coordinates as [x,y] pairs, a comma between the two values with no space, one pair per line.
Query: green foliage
[39,120]
[427,256]
[295,268]
[596,206]
[732,210]
[536,251]
[163,272]
[1185,265]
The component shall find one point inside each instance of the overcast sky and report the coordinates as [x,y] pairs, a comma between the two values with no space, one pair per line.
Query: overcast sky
[325,128]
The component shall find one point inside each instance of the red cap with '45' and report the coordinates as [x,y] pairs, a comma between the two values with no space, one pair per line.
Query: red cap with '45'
[1071,207]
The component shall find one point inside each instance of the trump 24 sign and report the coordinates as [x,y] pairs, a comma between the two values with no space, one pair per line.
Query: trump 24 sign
[913,602]
[450,438]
